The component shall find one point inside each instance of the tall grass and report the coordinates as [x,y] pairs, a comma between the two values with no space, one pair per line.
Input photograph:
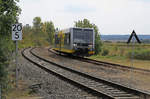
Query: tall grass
[141,51]
[142,54]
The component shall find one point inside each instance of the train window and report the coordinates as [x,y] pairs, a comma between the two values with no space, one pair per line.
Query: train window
[83,36]
[67,39]
[56,39]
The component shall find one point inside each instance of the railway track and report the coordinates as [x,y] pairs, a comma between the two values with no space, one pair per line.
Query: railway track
[106,64]
[95,85]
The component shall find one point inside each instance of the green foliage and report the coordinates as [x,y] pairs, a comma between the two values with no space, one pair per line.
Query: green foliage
[37,30]
[141,51]
[143,54]
[98,44]
[9,12]
[86,24]
[50,30]
[40,34]
[105,52]
[37,25]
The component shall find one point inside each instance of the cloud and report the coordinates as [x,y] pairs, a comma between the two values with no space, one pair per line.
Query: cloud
[111,16]
[78,9]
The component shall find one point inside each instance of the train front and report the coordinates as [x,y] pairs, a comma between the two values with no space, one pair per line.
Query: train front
[83,41]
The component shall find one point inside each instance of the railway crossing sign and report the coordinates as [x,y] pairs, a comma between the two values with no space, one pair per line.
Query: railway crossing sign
[133,34]
[17,31]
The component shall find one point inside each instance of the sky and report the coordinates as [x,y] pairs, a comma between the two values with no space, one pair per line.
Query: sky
[111,16]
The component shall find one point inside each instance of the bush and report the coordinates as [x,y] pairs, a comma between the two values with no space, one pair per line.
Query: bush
[140,54]
[105,52]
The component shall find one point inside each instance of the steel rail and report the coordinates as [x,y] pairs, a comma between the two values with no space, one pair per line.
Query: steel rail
[102,63]
[106,88]
[144,93]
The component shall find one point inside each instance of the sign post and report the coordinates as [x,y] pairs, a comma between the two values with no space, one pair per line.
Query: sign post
[133,43]
[17,35]
[0,92]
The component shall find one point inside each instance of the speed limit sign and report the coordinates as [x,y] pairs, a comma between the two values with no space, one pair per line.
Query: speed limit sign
[17,32]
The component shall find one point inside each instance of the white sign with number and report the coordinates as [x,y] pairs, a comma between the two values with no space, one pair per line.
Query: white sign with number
[17,31]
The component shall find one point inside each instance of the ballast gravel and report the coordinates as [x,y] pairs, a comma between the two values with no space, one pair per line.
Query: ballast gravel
[135,80]
[47,85]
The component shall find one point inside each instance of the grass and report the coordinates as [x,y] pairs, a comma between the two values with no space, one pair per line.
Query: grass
[22,92]
[117,53]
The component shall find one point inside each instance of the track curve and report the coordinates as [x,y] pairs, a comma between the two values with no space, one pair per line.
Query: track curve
[99,86]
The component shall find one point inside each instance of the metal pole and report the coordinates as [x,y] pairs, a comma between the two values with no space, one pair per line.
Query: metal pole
[16,64]
[0,92]
[132,56]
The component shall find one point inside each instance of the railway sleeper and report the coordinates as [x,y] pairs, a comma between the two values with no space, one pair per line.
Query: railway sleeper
[98,84]
[112,91]
[119,92]
[122,94]
[127,97]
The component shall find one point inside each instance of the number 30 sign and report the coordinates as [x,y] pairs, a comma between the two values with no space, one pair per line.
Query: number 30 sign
[17,31]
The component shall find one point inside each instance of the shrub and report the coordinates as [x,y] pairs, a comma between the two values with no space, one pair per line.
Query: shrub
[105,52]
[140,54]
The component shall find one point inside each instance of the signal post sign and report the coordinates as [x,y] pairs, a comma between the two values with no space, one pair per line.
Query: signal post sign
[133,34]
[17,32]
[17,35]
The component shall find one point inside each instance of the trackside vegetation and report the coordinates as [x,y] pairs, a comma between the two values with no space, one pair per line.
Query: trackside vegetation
[140,54]
[9,11]
[122,53]
[139,51]
[40,34]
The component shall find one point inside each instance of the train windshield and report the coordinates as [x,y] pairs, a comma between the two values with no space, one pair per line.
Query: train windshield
[83,35]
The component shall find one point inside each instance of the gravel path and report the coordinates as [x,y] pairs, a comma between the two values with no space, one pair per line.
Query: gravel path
[138,80]
[48,85]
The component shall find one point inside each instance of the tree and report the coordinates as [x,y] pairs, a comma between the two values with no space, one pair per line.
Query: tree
[9,12]
[50,30]
[37,24]
[27,40]
[86,24]
[40,34]
[37,30]
[27,28]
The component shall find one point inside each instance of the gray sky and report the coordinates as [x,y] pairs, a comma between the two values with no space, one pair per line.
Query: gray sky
[111,16]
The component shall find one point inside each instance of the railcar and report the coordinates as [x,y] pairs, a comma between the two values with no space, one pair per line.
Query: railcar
[75,41]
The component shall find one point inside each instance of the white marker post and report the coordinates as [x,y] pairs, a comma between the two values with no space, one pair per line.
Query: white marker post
[132,55]
[17,35]
[133,34]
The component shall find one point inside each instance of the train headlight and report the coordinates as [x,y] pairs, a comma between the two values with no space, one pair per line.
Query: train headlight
[74,45]
[90,46]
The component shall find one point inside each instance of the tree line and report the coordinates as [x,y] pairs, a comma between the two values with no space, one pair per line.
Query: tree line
[42,33]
